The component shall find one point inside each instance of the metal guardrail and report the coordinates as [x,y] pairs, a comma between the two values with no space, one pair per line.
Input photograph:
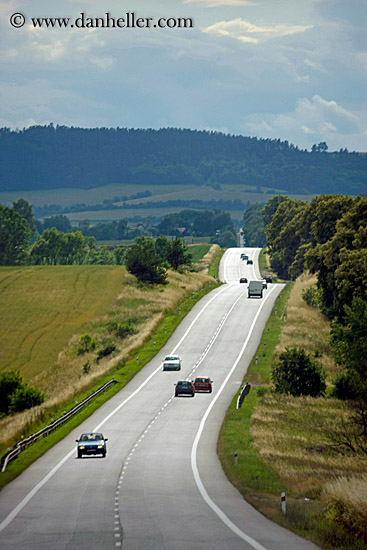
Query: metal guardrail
[245,390]
[21,445]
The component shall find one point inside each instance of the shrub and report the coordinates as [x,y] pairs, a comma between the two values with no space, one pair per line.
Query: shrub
[346,501]
[344,386]
[121,330]
[86,367]
[25,397]
[311,296]
[87,343]
[296,373]
[10,381]
[107,350]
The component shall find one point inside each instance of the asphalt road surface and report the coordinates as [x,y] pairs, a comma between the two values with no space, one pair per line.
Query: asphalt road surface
[161,485]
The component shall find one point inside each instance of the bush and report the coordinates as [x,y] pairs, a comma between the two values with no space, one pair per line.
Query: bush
[296,373]
[346,500]
[87,343]
[107,350]
[25,397]
[86,367]
[10,381]
[344,387]
[121,330]
[311,296]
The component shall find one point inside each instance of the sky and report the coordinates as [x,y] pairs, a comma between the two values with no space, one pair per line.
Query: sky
[293,70]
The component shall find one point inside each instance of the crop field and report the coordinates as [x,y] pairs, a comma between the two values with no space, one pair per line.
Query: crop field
[66,197]
[43,306]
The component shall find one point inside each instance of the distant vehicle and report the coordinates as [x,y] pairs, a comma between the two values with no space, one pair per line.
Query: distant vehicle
[172,362]
[92,443]
[203,383]
[249,262]
[265,284]
[243,280]
[255,288]
[244,256]
[185,387]
[268,278]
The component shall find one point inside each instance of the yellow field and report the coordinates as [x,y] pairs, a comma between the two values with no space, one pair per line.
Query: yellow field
[42,307]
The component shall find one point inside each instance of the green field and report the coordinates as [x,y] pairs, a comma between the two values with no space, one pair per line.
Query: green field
[42,307]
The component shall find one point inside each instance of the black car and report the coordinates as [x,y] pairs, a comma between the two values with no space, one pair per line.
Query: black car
[184,387]
[268,278]
[91,443]
[249,262]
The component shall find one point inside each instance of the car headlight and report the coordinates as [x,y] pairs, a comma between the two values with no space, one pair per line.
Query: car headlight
[100,446]
[81,447]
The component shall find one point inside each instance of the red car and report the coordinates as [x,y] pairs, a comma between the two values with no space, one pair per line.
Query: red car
[203,383]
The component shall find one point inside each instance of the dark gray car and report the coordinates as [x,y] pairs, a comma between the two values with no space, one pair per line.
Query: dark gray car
[184,387]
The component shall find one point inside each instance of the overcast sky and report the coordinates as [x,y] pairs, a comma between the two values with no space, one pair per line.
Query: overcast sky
[288,69]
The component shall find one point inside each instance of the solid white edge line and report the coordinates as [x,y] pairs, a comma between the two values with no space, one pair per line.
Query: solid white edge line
[194,466]
[12,515]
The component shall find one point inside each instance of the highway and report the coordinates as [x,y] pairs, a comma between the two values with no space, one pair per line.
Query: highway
[161,485]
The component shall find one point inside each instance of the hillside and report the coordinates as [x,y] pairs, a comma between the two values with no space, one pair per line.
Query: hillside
[48,157]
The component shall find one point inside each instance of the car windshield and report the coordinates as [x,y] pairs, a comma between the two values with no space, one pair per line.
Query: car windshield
[171,358]
[91,437]
[184,383]
[202,380]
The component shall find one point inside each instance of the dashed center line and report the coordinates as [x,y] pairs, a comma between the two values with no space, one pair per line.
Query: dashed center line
[200,360]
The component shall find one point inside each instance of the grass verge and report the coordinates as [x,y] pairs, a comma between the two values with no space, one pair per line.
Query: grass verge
[250,475]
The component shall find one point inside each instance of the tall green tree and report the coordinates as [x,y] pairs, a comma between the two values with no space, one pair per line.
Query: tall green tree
[55,247]
[337,278]
[142,261]
[15,235]
[253,228]
[178,254]
[25,209]
[61,222]
[349,345]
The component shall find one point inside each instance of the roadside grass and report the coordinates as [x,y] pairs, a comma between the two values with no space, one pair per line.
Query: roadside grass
[214,257]
[198,251]
[285,443]
[263,260]
[259,371]
[159,311]
[306,327]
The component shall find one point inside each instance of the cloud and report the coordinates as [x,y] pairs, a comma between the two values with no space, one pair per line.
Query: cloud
[240,29]
[215,3]
[313,121]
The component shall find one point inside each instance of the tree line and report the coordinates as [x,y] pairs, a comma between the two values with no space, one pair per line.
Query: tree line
[53,241]
[57,244]
[328,236]
[32,158]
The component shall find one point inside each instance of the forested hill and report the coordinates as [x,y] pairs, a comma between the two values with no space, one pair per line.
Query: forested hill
[49,157]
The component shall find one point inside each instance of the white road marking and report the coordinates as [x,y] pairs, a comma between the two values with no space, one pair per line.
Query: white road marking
[194,466]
